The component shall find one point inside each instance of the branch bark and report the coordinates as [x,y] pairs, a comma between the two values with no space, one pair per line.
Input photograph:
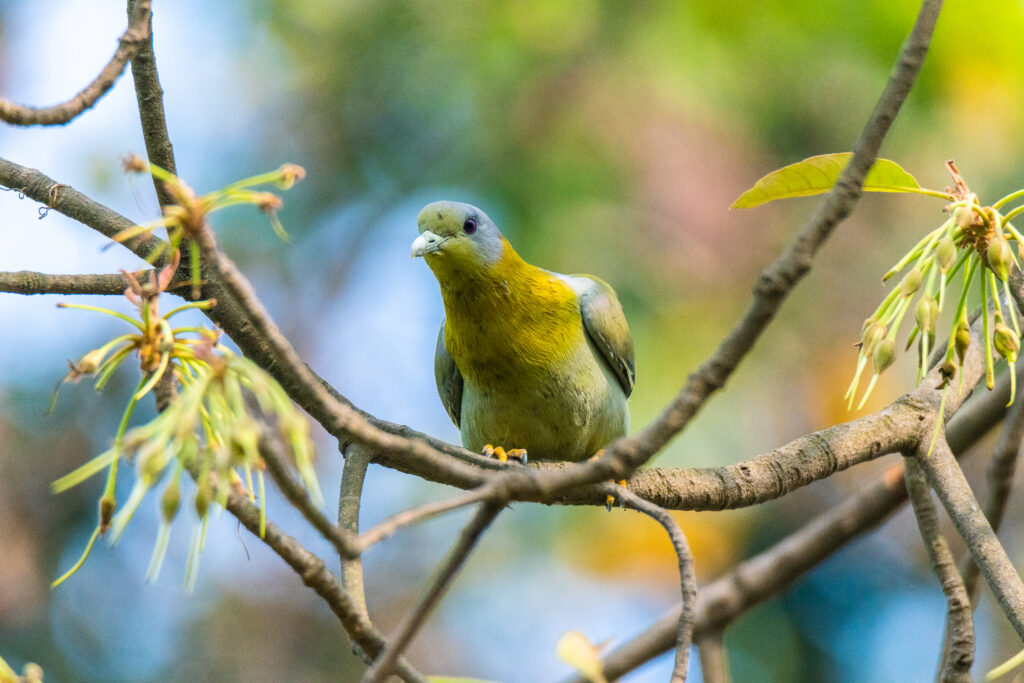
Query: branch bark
[958,658]
[131,41]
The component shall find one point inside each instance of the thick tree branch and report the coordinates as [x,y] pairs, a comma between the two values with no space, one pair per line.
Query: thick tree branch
[30,282]
[438,587]
[133,38]
[714,665]
[150,97]
[779,279]
[999,475]
[958,658]
[946,478]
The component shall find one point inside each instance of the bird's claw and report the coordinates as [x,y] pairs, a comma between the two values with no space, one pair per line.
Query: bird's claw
[502,455]
[610,499]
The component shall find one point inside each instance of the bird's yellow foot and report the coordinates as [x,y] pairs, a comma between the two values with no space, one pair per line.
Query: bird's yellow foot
[518,454]
[610,499]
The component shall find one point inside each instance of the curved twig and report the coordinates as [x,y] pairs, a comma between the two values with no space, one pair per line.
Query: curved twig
[350,496]
[131,41]
[30,282]
[958,658]
[714,665]
[687,575]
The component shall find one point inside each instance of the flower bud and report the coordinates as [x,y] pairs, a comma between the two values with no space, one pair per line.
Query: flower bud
[947,369]
[945,254]
[911,283]
[962,339]
[883,356]
[1006,342]
[1000,259]
[872,334]
[204,495]
[170,501]
[927,314]
[107,506]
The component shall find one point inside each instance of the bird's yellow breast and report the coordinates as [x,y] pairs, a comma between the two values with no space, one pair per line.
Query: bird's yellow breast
[510,323]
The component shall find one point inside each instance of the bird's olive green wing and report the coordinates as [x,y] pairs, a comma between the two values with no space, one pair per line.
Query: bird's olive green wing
[449,379]
[606,326]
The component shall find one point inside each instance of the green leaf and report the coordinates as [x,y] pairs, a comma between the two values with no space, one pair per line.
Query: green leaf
[817,175]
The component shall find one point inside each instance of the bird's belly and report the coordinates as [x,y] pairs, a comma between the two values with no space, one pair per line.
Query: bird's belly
[567,415]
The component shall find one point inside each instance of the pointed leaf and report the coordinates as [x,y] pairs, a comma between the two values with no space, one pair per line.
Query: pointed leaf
[817,175]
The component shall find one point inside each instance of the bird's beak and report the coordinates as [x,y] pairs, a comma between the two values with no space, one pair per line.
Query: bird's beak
[426,243]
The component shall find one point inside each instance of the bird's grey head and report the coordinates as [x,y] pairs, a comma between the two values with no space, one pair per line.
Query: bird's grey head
[453,234]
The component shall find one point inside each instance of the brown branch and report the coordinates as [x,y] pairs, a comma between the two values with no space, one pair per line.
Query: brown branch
[386,528]
[350,495]
[314,573]
[272,452]
[714,665]
[687,575]
[948,481]
[774,570]
[779,279]
[449,568]
[150,97]
[999,475]
[958,658]
[30,282]
[130,42]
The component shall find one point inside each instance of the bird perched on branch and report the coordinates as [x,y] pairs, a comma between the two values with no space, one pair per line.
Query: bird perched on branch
[526,359]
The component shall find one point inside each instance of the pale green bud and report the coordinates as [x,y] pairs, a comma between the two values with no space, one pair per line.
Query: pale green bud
[873,333]
[170,501]
[1000,259]
[945,254]
[1006,342]
[927,314]
[962,339]
[911,283]
[883,355]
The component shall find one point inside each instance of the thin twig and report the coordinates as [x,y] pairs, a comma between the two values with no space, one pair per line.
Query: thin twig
[131,41]
[350,495]
[714,665]
[273,455]
[386,528]
[449,568]
[957,660]
[314,573]
[687,575]
[948,481]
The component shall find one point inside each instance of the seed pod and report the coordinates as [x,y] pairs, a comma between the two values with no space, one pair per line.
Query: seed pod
[1000,259]
[927,314]
[962,339]
[170,501]
[945,254]
[947,369]
[873,334]
[107,506]
[1006,342]
[204,495]
[911,283]
[883,356]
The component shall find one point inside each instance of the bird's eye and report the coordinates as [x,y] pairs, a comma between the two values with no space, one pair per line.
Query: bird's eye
[469,227]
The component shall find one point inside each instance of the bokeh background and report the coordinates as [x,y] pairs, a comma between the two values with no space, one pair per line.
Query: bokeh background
[607,138]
